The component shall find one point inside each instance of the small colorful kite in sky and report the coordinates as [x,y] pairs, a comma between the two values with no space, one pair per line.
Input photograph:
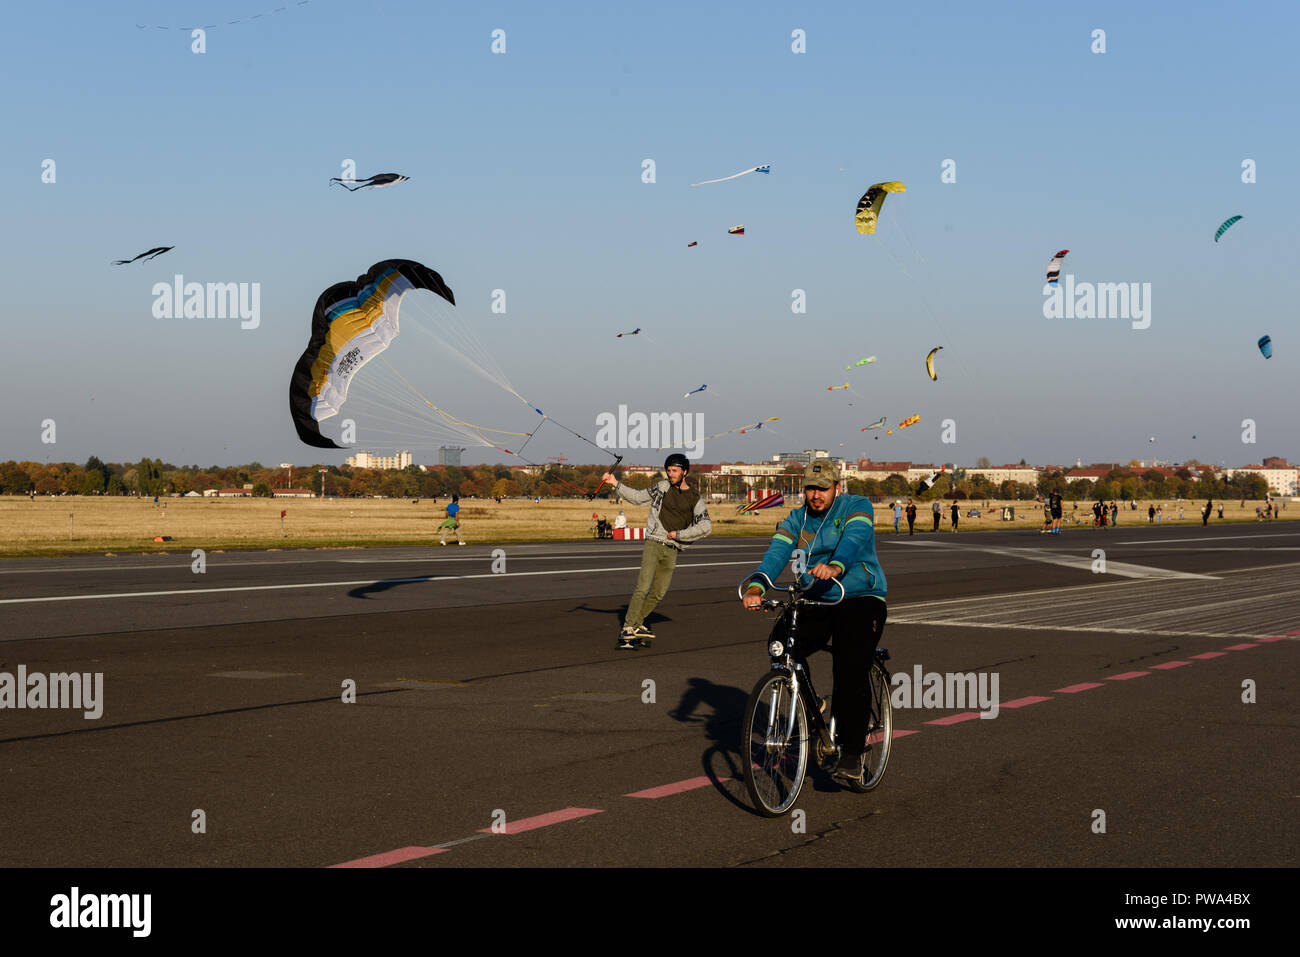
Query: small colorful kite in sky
[1054,267]
[929,363]
[1224,228]
[743,172]
[737,230]
[872,201]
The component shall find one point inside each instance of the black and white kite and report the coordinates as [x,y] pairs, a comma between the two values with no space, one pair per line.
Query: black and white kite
[379,182]
[146,255]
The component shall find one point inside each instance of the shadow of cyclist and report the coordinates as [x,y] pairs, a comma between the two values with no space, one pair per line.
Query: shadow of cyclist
[720,709]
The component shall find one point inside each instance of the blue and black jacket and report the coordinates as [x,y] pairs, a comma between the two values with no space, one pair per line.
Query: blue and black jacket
[845,536]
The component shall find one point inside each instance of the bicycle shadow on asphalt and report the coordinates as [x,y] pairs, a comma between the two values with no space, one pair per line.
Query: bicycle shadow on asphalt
[726,709]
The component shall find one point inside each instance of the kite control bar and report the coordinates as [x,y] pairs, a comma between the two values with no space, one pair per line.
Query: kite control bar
[591,495]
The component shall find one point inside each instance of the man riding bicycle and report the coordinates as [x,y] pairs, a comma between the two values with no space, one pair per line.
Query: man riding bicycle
[837,533]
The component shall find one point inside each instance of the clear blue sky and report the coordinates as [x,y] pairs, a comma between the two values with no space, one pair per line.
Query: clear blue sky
[527,177]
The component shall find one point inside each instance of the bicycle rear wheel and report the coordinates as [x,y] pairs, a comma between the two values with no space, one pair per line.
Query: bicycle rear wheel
[774,752]
[880,730]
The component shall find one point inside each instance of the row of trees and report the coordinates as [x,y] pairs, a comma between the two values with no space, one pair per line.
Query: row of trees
[150,477]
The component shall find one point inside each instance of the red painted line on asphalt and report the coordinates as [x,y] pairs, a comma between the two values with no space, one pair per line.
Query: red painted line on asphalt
[543,820]
[956,718]
[1127,675]
[391,857]
[690,784]
[878,737]
[1087,685]
[1277,637]
[1021,702]
[1210,654]
[1171,664]
[1240,647]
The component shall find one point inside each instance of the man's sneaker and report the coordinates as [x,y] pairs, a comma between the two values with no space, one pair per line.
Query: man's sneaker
[627,640]
[848,771]
[462,543]
[644,636]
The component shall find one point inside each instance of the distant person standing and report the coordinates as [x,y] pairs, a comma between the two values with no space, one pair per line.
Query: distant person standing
[1205,515]
[911,517]
[937,509]
[452,522]
[1160,514]
[1151,514]
[1054,502]
[1220,510]
[955,513]
[1114,514]
[898,514]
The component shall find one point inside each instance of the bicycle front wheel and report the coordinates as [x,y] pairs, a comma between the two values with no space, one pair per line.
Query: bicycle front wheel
[775,746]
[880,730]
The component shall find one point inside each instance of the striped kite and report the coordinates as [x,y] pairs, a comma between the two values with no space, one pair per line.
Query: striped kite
[1054,267]
[1224,228]
[767,501]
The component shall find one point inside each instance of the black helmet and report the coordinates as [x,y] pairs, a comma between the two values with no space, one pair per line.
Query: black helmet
[679,460]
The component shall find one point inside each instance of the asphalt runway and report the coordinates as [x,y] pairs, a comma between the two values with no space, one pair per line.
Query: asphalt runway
[486,697]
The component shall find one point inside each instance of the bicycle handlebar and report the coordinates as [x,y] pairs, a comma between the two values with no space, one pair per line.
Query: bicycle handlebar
[796,589]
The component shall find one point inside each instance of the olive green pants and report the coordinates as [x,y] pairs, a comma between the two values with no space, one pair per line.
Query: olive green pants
[657,564]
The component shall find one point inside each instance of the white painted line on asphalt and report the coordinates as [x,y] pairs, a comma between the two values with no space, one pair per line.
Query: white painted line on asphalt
[1083,562]
[346,584]
[182,559]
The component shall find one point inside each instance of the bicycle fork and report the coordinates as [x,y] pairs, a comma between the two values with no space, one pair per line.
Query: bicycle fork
[780,727]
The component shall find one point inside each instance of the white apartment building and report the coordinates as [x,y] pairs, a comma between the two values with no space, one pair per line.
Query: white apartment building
[364,460]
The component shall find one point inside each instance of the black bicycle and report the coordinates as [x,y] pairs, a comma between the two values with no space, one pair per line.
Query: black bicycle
[784,704]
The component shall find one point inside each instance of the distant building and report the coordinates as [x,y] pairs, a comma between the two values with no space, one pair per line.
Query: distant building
[449,455]
[292,493]
[1281,481]
[803,458]
[997,474]
[364,460]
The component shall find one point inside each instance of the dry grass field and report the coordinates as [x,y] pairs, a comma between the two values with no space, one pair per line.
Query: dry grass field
[71,524]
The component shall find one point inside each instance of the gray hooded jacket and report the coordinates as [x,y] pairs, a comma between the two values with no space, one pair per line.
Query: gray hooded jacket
[654,530]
